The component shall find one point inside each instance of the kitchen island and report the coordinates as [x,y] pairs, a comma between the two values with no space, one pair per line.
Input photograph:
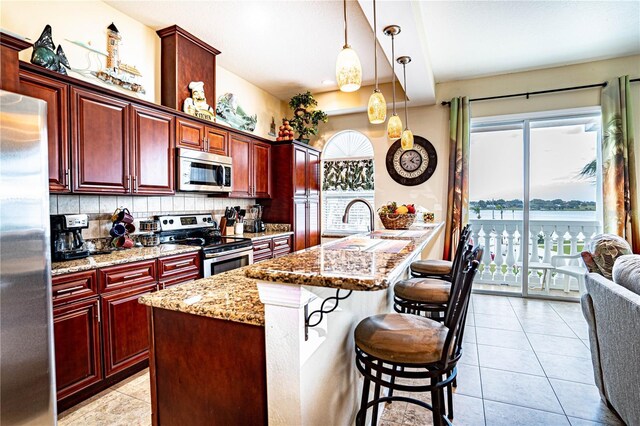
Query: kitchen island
[235,348]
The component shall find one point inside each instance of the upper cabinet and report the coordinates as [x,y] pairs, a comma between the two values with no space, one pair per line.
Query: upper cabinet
[152,142]
[251,167]
[56,94]
[100,143]
[195,135]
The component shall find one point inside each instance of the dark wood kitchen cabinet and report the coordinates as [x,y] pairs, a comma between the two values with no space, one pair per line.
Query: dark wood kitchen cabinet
[56,94]
[195,135]
[125,328]
[251,167]
[76,331]
[178,269]
[295,191]
[100,143]
[152,154]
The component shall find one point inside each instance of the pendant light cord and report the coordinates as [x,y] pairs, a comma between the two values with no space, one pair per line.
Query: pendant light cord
[393,71]
[406,114]
[346,44]
[375,48]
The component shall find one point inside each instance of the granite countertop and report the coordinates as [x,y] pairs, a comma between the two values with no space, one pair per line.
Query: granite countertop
[119,257]
[227,296]
[264,235]
[363,262]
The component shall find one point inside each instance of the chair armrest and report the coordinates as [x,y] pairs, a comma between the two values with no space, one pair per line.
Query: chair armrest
[557,257]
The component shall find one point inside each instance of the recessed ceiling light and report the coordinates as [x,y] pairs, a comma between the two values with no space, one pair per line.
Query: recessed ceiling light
[328,82]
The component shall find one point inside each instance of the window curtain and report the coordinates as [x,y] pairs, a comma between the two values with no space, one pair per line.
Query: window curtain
[458,197]
[619,175]
[348,175]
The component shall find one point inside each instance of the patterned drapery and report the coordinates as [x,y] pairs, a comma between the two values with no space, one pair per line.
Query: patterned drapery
[348,175]
[619,175]
[458,197]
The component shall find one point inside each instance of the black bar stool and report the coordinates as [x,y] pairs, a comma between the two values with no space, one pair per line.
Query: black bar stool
[404,346]
[444,269]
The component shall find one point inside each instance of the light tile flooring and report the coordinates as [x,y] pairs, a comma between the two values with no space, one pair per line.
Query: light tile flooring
[526,362]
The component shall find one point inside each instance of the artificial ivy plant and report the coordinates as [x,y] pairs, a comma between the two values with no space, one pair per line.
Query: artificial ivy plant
[305,117]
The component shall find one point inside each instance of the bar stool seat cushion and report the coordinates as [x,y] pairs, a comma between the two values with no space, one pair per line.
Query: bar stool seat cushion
[401,338]
[429,290]
[432,266]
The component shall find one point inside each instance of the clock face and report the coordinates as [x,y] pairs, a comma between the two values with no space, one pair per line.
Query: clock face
[414,166]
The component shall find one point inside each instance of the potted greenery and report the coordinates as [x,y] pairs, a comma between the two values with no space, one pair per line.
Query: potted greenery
[305,117]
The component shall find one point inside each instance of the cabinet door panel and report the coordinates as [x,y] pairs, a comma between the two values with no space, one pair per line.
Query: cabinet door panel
[313,173]
[190,134]
[299,171]
[153,160]
[56,95]
[76,334]
[217,141]
[299,224]
[313,222]
[241,155]
[261,168]
[100,141]
[125,329]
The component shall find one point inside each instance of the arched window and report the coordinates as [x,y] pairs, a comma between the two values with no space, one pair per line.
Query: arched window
[347,173]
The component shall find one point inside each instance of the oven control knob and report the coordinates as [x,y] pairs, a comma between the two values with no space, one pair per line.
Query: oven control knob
[164,222]
[171,221]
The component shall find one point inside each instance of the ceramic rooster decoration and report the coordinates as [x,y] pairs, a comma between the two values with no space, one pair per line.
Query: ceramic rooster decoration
[46,55]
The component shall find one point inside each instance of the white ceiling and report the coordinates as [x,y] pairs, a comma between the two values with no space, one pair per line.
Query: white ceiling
[477,38]
[285,47]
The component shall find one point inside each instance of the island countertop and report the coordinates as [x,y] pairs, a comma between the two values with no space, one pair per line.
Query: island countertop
[118,257]
[364,262]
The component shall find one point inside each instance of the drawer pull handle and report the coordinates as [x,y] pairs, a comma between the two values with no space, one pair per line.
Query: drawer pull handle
[128,277]
[185,263]
[69,290]
[279,243]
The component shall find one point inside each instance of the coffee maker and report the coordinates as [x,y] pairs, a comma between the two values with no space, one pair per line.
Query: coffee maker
[66,236]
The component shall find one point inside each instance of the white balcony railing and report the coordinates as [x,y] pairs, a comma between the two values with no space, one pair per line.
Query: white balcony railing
[503,255]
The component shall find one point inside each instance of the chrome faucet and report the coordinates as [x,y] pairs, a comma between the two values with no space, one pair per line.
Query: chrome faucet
[345,217]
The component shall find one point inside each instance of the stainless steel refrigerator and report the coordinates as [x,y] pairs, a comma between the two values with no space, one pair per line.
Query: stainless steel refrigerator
[27,379]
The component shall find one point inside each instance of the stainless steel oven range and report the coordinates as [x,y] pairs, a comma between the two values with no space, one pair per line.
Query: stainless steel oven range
[219,253]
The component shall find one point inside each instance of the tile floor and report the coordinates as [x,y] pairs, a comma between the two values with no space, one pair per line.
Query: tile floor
[526,362]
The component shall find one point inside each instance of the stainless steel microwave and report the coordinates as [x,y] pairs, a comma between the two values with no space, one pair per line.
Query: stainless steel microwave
[203,172]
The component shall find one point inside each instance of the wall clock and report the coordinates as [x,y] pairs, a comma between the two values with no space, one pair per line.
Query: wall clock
[414,166]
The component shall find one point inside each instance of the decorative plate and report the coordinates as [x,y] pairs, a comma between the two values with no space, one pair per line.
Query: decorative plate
[414,166]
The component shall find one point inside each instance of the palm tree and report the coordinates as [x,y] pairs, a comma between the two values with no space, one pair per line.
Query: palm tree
[476,210]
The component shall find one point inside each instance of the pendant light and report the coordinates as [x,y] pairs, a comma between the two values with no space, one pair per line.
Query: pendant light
[394,125]
[377,108]
[407,137]
[348,68]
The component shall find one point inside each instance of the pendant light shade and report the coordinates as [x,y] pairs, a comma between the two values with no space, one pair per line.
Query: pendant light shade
[394,125]
[407,140]
[348,68]
[377,109]
[407,136]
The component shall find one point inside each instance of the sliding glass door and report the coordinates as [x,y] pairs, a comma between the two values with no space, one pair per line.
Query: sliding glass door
[534,202]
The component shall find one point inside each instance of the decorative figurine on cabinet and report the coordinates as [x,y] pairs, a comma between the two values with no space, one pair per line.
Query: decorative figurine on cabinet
[45,55]
[116,72]
[197,104]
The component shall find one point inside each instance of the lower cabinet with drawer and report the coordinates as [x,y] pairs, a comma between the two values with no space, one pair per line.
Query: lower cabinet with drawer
[101,332]
[269,248]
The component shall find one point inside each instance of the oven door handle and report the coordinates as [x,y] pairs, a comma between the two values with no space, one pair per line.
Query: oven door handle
[225,254]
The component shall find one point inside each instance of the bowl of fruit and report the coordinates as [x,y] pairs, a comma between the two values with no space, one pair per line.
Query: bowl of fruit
[394,216]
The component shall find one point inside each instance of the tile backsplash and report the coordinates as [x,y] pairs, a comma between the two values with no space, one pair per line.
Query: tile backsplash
[100,207]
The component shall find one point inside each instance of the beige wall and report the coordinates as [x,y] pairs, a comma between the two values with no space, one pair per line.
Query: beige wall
[87,21]
[432,122]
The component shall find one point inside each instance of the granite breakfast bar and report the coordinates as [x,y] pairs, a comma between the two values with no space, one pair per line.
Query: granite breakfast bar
[234,348]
